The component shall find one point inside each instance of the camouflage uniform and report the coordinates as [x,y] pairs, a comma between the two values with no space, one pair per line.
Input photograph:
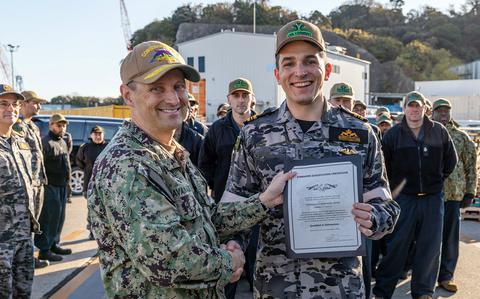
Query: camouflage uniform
[262,148]
[31,134]
[157,229]
[463,179]
[16,218]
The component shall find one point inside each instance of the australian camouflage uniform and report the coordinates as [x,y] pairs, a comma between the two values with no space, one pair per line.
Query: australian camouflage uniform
[31,134]
[264,144]
[463,179]
[16,218]
[157,229]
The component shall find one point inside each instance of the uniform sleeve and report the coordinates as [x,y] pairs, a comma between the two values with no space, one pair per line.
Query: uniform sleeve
[148,227]
[385,210]
[469,158]
[450,157]
[207,158]
[80,158]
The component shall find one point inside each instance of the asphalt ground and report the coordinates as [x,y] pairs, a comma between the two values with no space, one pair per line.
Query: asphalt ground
[78,275]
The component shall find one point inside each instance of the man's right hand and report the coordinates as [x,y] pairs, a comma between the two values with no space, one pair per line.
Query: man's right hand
[238,260]
[273,196]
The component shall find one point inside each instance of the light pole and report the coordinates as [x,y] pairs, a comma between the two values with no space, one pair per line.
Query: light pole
[12,49]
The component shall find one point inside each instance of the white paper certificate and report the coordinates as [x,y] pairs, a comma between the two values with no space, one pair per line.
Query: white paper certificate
[320,200]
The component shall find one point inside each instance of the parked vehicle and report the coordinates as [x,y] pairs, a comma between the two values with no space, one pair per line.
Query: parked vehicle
[79,127]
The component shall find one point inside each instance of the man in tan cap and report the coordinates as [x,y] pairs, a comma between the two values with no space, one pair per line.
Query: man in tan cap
[158,231]
[222,110]
[460,188]
[341,94]
[27,128]
[192,121]
[56,158]
[302,128]
[17,220]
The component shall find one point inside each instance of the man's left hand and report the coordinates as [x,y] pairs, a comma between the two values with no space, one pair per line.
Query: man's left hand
[362,213]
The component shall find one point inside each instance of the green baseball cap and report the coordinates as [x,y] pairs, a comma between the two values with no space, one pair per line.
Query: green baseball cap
[299,30]
[240,84]
[415,96]
[341,90]
[360,103]
[32,96]
[442,103]
[382,110]
[149,61]
[58,118]
[6,89]
[384,118]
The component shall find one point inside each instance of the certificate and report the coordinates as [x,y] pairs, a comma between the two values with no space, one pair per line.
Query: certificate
[317,208]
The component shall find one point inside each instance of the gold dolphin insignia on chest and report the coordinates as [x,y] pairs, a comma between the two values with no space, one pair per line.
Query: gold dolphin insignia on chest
[348,151]
[349,136]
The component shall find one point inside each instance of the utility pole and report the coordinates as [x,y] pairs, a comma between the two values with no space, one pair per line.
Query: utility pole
[12,49]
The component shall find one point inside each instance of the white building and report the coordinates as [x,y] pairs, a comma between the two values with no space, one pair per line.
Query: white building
[463,94]
[469,70]
[225,56]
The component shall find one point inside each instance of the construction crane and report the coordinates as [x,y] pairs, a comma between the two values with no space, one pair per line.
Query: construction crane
[127,32]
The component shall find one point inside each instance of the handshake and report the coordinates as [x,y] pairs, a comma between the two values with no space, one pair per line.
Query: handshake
[238,259]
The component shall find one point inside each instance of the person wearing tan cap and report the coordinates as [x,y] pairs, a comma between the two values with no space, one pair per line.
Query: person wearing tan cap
[57,168]
[306,127]
[17,220]
[419,156]
[428,108]
[158,231]
[26,127]
[341,94]
[192,121]
[222,110]
[460,188]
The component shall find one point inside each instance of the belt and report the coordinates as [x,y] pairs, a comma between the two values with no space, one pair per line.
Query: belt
[422,194]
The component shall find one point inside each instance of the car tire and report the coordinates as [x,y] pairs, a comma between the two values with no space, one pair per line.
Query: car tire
[76,181]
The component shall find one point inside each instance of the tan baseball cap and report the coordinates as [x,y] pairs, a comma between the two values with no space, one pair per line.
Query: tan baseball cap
[149,61]
[58,118]
[442,103]
[240,84]
[192,99]
[32,96]
[7,89]
[299,30]
[360,103]
[384,118]
[415,96]
[341,90]
[382,110]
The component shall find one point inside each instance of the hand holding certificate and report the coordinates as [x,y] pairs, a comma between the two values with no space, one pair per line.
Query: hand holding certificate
[317,208]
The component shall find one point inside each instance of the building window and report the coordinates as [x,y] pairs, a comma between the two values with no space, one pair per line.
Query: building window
[336,69]
[201,64]
[190,61]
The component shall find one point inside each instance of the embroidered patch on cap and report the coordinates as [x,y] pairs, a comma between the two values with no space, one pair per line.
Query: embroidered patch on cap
[299,29]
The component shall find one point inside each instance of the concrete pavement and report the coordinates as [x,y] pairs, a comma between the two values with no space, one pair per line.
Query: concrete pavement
[78,276]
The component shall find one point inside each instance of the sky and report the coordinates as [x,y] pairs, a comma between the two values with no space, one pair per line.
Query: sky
[75,47]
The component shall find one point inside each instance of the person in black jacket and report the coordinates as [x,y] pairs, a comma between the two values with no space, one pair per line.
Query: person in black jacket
[191,140]
[420,155]
[86,156]
[216,152]
[57,167]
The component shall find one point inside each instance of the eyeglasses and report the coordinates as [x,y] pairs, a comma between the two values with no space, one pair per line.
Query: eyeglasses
[5,105]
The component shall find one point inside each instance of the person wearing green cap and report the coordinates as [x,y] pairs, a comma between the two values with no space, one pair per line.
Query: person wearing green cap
[17,216]
[157,229]
[384,123]
[341,94]
[419,155]
[305,126]
[26,127]
[57,168]
[360,108]
[460,188]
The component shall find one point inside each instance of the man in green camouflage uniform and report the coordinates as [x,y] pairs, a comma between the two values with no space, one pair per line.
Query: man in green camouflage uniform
[27,128]
[304,127]
[157,229]
[459,189]
[16,210]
